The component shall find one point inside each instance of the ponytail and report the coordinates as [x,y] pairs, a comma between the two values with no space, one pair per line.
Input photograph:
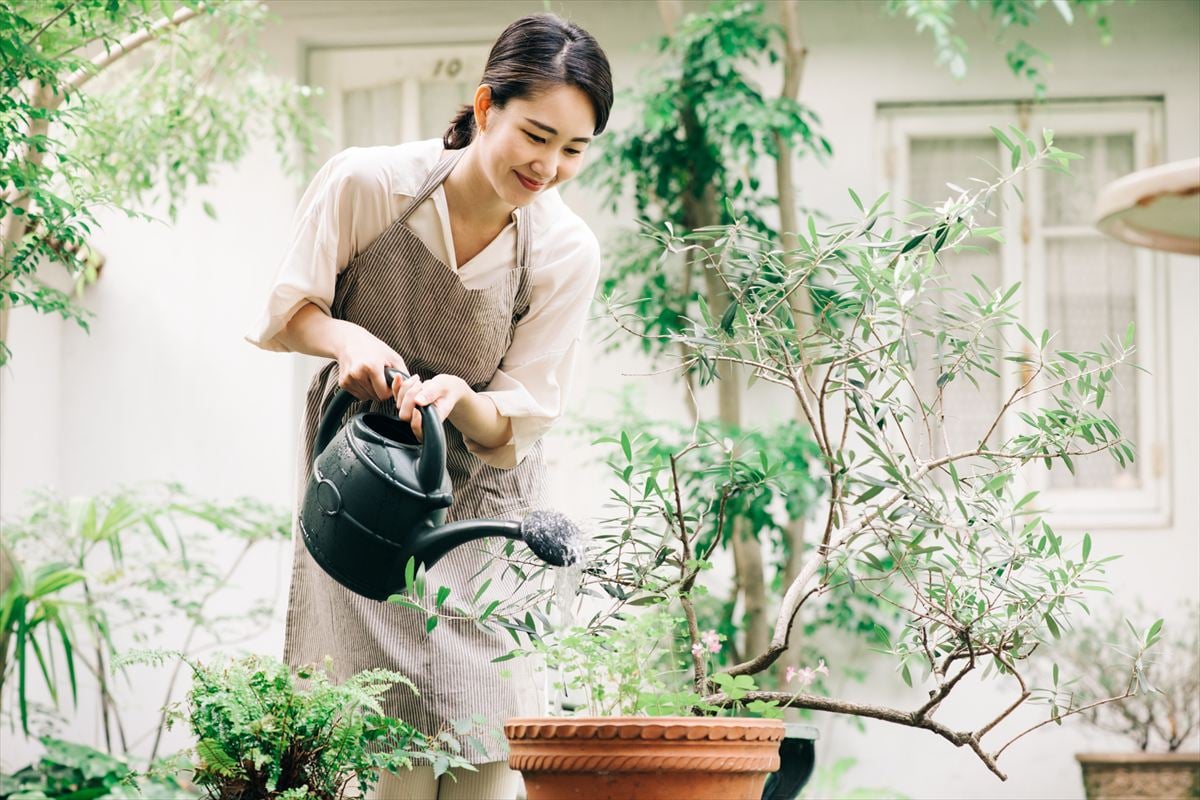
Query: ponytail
[461,130]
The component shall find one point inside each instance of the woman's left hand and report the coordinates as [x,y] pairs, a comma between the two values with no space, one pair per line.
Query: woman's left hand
[442,391]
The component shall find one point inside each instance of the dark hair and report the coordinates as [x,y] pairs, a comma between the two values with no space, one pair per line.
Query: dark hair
[535,53]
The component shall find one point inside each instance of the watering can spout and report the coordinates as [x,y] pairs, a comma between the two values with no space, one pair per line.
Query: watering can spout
[552,537]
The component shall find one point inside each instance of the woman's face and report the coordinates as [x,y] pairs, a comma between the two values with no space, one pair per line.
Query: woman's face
[533,143]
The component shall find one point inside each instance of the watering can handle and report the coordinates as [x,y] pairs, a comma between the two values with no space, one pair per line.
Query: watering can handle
[431,467]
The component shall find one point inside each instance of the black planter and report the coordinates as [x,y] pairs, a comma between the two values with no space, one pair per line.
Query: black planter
[797,757]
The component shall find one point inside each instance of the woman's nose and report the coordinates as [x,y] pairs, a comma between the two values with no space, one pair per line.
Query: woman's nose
[545,168]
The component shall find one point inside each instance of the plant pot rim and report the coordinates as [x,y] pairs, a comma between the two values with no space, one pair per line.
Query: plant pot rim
[1139,757]
[528,729]
[620,720]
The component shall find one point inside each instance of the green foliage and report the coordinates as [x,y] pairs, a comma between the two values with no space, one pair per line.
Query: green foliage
[933,527]
[1163,710]
[69,771]
[261,735]
[81,132]
[1025,61]
[76,570]
[768,476]
[629,669]
[638,665]
[704,129]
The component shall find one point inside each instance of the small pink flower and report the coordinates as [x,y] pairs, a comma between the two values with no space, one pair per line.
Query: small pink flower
[805,676]
[697,649]
[711,640]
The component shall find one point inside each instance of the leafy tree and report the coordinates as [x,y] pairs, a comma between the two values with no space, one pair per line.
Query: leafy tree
[124,104]
[695,158]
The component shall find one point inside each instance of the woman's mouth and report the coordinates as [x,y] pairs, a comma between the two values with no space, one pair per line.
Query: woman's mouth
[532,186]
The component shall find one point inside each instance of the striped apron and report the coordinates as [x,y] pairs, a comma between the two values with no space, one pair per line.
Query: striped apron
[403,294]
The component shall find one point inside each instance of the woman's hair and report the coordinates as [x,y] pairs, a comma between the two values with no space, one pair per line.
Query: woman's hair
[536,53]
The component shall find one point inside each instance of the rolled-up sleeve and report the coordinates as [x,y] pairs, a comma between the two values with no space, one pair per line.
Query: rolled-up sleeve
[534,379]
[323,239]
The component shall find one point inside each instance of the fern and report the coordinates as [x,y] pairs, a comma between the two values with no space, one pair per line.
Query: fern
[262,736]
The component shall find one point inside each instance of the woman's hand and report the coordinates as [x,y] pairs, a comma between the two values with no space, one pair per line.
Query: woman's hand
[361,358]
[442,391]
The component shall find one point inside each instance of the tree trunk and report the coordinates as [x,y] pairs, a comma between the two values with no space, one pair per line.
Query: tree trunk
[701,208]
[800,301]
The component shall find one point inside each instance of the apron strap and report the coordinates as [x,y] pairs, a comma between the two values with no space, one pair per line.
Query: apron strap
[432,181]
[438,174]
[524,235]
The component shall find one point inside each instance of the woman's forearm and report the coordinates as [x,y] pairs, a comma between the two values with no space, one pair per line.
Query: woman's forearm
[313,332]
[480,421]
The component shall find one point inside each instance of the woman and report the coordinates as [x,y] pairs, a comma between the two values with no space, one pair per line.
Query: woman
[457,262]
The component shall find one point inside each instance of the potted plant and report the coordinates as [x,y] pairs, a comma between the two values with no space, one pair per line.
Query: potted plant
[932,522]
[1162,722]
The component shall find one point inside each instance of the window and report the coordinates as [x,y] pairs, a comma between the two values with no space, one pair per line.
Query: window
[1074,281]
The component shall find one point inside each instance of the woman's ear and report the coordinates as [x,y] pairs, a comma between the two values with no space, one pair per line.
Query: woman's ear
[483,103]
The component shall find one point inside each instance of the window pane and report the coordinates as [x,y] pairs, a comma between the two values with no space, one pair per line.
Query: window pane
[373,116]
[440,101]
[1090,298]
[968,410]
[1070,199]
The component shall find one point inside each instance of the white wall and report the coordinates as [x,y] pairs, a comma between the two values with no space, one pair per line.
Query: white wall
[164,387]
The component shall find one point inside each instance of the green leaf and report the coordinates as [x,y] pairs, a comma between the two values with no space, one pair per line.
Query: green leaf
[401,600]
[1128,340]
[442,593]
[430,624]
[999,134]
[487,612]
[1087,545]
[913,242]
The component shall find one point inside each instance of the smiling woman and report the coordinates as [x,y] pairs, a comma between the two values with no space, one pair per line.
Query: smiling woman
[455,261]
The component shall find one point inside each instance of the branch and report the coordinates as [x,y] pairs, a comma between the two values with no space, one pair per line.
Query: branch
[907,718]
[124,47]
[1060,717]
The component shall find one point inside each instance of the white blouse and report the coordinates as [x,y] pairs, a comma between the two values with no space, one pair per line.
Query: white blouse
[361,191]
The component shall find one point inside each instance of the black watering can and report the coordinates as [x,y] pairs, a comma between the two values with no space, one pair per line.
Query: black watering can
[377,498]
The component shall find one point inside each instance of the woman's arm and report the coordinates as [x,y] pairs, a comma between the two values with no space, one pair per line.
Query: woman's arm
[474,414]
[361,356]
[361,360]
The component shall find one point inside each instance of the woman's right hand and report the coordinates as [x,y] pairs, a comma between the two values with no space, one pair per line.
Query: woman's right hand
[361,358]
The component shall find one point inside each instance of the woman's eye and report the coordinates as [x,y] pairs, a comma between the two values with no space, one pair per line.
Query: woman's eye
[537,139]
[573,152]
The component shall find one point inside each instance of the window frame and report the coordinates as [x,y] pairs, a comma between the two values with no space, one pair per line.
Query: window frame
[1024,258]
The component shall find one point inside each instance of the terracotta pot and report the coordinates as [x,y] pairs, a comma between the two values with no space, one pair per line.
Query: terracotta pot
[1140,776]
[648,758]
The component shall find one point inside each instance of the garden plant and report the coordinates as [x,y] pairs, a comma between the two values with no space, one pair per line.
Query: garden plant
[264,730]
[709,133]
[938,527]
[127,106]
